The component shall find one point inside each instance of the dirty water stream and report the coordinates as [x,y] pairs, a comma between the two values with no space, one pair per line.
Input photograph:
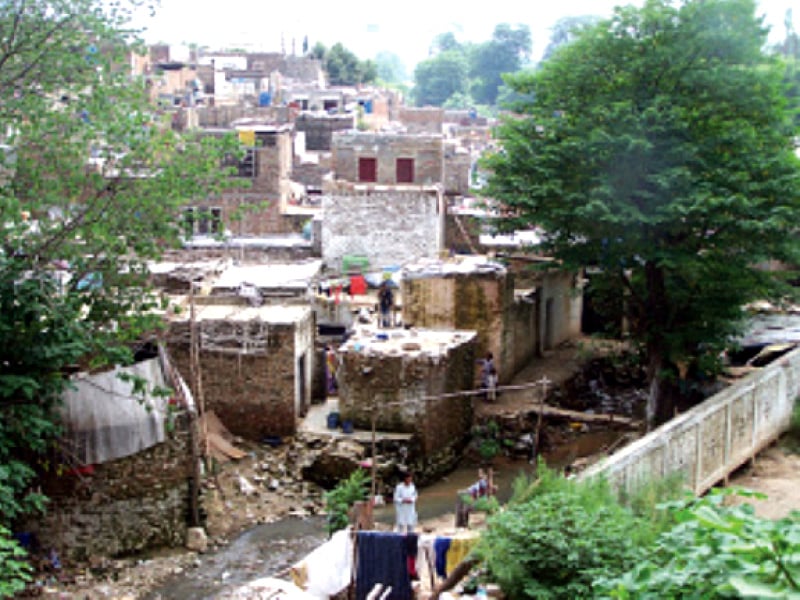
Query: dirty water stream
[270,549]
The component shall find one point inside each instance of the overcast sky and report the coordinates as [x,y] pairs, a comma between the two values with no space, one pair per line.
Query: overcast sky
[405,28]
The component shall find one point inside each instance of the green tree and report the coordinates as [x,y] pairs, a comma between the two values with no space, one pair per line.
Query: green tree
[91,185]
[506,52]
[438,78]
[345,68]
[564,31]
[658,147]
[390,68]
[789,49]
[446,42]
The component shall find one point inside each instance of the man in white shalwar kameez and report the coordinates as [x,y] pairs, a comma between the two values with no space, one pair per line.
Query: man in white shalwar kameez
[405,504]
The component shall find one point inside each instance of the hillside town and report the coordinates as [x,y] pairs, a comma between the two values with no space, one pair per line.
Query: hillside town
[349,300]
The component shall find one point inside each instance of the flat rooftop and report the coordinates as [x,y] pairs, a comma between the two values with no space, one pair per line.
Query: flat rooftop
[275,314]
[276,275]
[409,342]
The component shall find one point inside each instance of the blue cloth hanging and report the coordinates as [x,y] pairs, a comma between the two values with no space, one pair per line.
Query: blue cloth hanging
[382,558]
[440,547]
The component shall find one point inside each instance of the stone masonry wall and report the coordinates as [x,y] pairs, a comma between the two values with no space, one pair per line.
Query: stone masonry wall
[427,151]
[404,391]
[223,116]
[422,120]
[464,239]
[472,301]
[457,170]
[390,227]
[319,128]
[123,506]
[253,395]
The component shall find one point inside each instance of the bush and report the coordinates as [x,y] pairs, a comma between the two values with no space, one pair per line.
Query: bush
[715,551]
[558,535]
[15,572]
[339,500]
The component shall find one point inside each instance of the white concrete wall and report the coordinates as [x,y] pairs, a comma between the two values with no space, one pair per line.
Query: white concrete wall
[304,345]
[391,227]
[563,320]
[710,441]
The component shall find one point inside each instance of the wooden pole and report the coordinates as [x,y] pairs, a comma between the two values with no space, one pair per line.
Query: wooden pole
[545,382]
[373,462]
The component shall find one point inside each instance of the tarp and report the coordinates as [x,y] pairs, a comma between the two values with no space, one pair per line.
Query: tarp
[103,419]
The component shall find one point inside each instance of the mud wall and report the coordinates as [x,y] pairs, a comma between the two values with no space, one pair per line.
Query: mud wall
[120,507]
[404,394]
[471,301]
[713,439]
[252,394]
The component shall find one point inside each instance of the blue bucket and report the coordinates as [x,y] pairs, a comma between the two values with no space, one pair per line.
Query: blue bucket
[347,427]
[333,420]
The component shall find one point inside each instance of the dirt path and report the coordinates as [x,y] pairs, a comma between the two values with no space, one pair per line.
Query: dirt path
[776,473]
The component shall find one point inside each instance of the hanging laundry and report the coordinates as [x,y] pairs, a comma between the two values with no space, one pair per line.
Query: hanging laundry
[326,571]
[460,547]
[412,543]
[382,557]
[440,547]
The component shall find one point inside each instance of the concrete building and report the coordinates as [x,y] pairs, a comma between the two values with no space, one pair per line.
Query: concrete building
[388,159]
[256,364]
[407,381]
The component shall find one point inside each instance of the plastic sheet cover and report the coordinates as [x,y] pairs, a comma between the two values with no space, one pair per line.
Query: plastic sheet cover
[103,420]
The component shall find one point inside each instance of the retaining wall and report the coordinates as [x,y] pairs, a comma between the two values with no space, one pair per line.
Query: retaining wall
[713,439]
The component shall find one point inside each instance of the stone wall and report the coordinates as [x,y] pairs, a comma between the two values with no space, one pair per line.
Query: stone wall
[463,238]
[319,128]
[427,151]
[405,393]
[427,119]
[457,164]
[223,116]
[251,253]
[252,394]
[471,300]
[122,506]
[390,226]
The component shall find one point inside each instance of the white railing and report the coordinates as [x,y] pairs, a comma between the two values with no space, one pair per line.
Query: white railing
[714,438]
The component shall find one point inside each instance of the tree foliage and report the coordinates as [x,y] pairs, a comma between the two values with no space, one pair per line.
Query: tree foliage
[565,30]
[507,51]
[715,551]
[657,147]
[340,499]
[471,71]
[557,536]
[440,77]
[343,66]
[92,180]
